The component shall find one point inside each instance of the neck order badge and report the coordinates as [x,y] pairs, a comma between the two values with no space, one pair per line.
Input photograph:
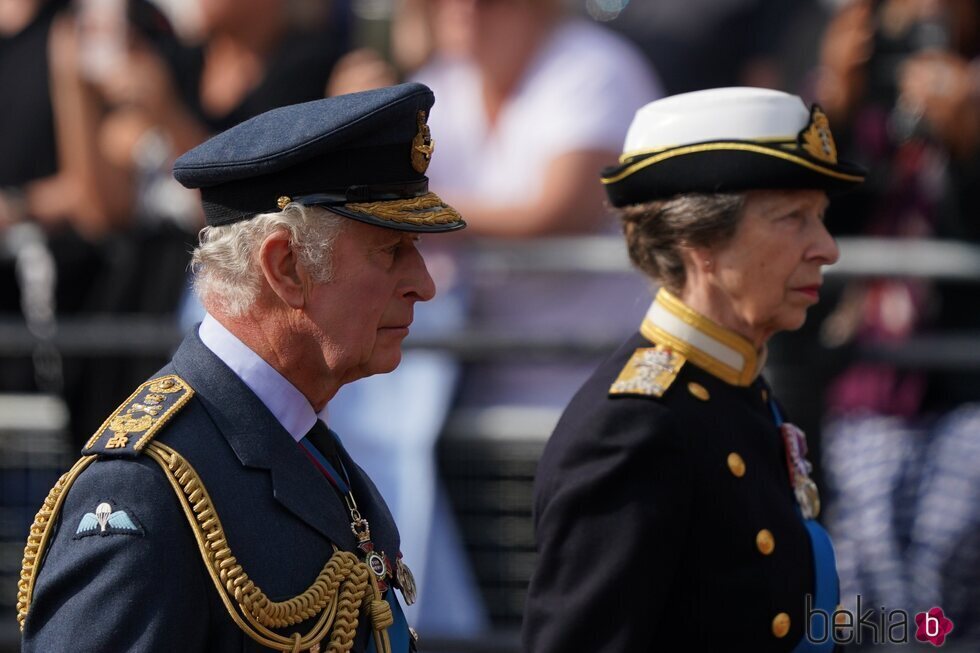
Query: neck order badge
[321,447]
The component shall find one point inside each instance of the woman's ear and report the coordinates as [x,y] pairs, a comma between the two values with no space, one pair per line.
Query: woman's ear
[697,260]
[282,270]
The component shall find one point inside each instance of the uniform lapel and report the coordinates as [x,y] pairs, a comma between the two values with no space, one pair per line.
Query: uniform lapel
[259,441]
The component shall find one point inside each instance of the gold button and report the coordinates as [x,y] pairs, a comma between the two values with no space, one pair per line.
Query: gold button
[780,624]
[283,201]
[765,542]
[698,391]
[736,465]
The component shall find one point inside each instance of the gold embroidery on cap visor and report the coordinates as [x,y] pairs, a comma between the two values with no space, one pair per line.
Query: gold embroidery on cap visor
[730,146]
[426,210]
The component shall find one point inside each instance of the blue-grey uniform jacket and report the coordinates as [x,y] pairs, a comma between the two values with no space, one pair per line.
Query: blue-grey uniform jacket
[140,584]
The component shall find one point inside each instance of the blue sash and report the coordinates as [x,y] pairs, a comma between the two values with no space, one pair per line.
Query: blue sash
[827,584]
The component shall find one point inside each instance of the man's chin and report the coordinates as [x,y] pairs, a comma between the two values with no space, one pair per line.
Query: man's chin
[384,364]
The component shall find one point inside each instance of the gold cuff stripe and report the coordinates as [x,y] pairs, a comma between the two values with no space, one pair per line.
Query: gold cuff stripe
[428,209]
[738,147]
[40,534]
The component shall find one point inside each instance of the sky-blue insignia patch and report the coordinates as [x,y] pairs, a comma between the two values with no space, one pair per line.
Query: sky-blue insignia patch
[108,519]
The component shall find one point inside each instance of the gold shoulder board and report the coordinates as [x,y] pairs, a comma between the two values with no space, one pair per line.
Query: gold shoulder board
[140,417]
[649,372]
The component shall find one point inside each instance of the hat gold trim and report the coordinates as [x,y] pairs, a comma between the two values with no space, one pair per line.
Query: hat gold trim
[776,140]
[735,146]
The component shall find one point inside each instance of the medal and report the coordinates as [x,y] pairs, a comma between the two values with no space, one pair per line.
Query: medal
[406,581]
[805,490]
[376,562]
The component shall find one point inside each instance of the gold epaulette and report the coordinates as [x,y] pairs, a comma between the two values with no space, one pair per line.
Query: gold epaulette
[649,372]
[140,417]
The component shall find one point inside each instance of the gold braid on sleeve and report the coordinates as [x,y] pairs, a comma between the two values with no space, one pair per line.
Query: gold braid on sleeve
[343,589]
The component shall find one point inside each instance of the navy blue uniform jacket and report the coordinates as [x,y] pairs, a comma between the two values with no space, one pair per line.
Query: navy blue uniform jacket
[647,540]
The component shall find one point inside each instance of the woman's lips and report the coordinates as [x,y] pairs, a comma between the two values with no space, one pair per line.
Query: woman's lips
[810,291]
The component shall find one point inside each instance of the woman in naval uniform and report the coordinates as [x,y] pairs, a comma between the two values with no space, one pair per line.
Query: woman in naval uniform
[673,505]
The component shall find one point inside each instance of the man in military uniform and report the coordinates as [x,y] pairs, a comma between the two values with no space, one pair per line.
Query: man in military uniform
[674,509]
[214,510]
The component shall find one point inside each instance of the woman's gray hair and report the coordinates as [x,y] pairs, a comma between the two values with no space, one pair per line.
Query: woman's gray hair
[655,231]
[225,266]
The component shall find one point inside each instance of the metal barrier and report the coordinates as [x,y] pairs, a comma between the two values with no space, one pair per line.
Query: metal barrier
[488,456]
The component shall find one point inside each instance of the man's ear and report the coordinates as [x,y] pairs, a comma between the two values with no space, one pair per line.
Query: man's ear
[282,270]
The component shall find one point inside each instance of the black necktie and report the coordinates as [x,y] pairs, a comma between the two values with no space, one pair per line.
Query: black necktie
[320,437]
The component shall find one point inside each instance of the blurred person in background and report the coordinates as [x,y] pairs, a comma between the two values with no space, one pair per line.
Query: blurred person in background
[902,79]
[62,203]
[531,104]
[696,44]
[120,95]
[673,504]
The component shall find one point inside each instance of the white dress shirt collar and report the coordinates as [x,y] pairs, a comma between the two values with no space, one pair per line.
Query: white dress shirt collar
[287,404]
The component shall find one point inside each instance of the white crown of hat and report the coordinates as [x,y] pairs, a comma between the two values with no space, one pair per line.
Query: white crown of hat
[717,114]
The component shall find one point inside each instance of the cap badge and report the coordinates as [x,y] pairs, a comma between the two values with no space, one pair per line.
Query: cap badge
[817,140]
[422,145]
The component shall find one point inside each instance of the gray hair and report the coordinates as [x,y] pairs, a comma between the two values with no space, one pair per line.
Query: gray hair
[226,272]
[655,231]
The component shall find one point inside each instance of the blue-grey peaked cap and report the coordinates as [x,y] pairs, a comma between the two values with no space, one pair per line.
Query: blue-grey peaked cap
[361,155]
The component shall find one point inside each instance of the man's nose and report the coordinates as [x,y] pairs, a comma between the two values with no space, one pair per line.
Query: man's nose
[421,287]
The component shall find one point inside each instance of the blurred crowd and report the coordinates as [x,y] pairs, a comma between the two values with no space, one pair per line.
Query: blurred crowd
[533,98]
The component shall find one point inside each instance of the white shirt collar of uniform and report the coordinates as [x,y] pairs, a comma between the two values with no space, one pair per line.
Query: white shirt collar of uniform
[286,403]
